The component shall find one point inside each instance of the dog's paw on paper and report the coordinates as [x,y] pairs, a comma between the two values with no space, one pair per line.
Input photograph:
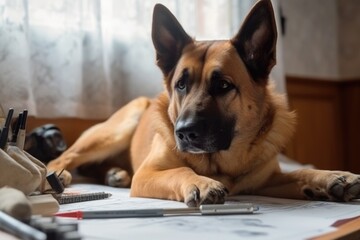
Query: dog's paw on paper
[209,193]
[335,186]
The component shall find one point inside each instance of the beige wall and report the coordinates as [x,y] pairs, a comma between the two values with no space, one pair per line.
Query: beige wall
[322,38]
[349,38]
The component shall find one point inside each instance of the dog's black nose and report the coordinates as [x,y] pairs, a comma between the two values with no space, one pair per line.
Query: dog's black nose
[189,132]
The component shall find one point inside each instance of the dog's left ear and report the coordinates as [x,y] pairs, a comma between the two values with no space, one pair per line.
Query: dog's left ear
[256,41]
[169,38]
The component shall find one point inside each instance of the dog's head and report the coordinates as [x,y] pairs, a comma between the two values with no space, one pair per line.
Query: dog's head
[216,88]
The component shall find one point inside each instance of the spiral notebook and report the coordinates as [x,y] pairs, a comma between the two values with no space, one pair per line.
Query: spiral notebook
[73,197]
[48,204]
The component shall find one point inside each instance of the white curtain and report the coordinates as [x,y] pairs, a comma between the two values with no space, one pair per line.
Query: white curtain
[86,58]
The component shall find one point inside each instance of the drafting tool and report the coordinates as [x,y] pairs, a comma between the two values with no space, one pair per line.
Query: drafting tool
[213,209]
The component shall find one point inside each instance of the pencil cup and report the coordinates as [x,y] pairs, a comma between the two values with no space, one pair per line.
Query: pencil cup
[19,171]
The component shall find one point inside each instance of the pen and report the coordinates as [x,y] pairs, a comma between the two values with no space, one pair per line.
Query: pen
[5,130]
[17,228]
[16,128]
[214,209]
[20,140]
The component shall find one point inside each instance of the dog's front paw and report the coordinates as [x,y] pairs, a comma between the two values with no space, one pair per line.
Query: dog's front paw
[117,177]
[337,186]
[205,193]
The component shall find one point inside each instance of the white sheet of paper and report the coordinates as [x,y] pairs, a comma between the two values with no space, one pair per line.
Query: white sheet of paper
[276,219]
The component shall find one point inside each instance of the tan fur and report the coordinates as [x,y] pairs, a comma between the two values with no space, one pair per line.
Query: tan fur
[102,140]
[262,128]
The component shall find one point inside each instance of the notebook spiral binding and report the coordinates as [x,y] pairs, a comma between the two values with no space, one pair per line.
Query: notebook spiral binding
[82,197]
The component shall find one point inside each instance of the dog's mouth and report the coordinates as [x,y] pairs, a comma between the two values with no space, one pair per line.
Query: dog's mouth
[208,145]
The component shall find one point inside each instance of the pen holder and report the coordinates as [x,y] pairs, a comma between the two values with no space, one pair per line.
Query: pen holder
[21,171]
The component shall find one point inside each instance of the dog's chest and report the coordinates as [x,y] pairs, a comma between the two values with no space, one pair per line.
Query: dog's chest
[219,166]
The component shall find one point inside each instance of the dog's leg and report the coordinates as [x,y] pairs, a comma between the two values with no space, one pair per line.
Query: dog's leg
[165,175]
[314,184]
[102,140]
[180,184]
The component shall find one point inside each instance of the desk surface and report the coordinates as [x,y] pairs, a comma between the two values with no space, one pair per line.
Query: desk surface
[347,231]
[277,219]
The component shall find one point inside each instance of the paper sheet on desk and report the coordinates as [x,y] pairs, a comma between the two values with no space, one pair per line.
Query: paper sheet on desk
[277,219]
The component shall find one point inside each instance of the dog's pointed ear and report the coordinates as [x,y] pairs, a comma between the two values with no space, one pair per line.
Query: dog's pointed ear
[256,41]
[169,38]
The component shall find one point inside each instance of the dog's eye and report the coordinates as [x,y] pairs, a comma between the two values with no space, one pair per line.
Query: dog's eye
[183,81]
[220,84]
[181,84]
[225,85]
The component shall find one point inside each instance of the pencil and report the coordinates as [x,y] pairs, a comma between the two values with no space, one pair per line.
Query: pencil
[20,141]
[5,130]
[16,129]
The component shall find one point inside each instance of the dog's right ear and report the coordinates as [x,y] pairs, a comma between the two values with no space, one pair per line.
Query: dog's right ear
[169,38]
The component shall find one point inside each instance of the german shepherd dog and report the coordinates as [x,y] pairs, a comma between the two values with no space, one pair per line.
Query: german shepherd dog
[215,130]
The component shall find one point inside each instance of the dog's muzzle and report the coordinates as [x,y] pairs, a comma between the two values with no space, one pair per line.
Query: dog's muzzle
[200,134]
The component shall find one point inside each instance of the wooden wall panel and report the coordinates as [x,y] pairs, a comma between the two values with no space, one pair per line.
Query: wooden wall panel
[351,96]
[328,123]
